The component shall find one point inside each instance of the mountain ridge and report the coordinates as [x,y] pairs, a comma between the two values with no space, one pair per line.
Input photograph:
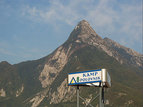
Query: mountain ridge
[43,82]
[90,37]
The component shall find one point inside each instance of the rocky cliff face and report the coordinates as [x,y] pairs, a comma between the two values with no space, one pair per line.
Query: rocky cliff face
[83,33]
[83,50]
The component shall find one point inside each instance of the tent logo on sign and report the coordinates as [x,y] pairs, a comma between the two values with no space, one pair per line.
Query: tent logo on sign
[73,80]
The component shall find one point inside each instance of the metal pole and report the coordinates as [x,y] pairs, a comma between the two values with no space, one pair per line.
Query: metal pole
[100,96]
[77,96]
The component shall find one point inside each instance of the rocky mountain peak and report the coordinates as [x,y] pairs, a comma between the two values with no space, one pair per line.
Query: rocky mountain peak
[84,27]
[83,23]
[4,63]
[83,32]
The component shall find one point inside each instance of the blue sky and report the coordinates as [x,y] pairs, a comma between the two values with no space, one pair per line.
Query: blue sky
[31,29]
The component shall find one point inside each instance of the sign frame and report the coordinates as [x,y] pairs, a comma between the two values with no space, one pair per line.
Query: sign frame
[84,83]
[104,81]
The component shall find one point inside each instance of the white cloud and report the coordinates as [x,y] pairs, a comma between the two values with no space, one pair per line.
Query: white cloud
[101,14]
[106,16]
[57,11]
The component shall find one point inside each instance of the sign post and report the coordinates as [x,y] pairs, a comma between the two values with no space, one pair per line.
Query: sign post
[101,96]
[97,78]
[77,95]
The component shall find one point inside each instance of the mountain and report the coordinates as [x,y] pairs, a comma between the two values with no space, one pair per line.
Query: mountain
[43,82]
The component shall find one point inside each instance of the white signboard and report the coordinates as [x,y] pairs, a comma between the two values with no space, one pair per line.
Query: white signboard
[84,77]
